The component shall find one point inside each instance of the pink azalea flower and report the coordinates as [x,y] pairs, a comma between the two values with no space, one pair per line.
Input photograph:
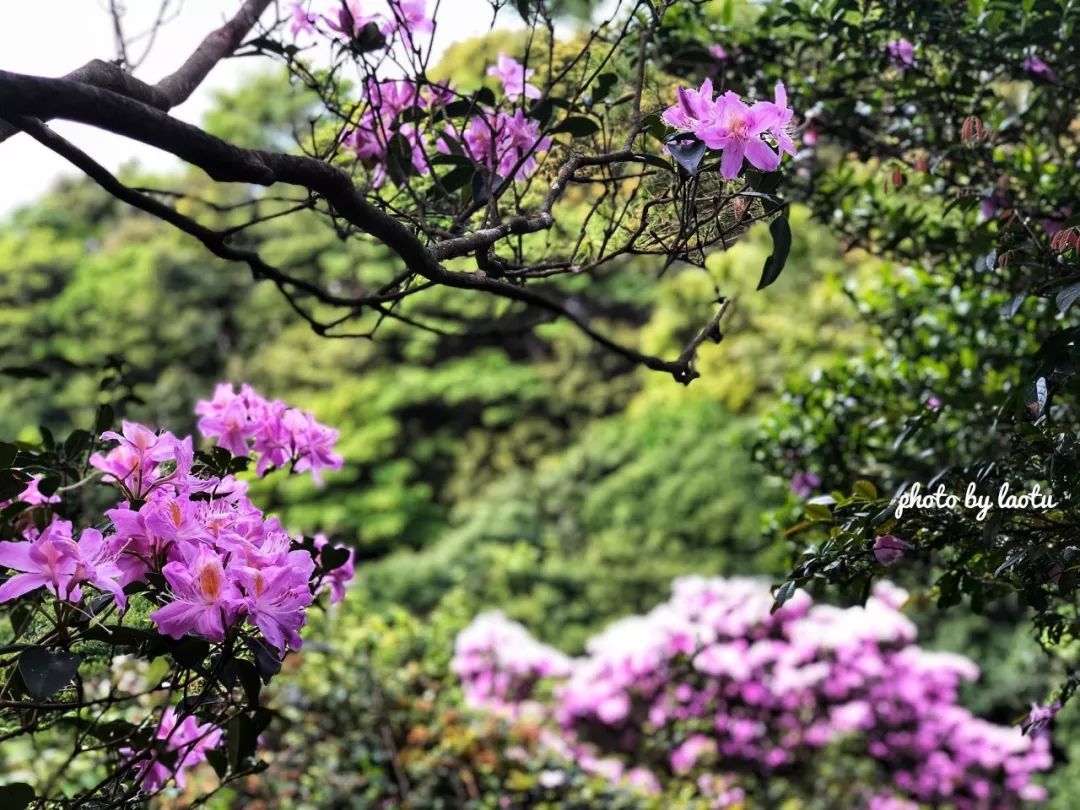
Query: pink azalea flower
[1039,717]
[349,19]
[411,17]
[718,53]
[694,108]
[780,127]
[901,52]
[737,129]
[134,461]
[205,599]
[889,548]
[302,21]
[60,565]
[804,483]
[1037,67]
[514,77]
[190,739]
[32,495]
[276,599]
[337,579]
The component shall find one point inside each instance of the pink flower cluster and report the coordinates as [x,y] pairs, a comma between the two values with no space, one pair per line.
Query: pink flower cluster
[745,693]
[503,143]
[281,436]
[738,130]
[224,561]
[190,741]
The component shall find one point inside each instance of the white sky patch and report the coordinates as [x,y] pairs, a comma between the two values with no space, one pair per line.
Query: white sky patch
[54,37]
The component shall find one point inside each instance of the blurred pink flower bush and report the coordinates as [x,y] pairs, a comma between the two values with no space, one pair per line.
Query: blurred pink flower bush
[713,685]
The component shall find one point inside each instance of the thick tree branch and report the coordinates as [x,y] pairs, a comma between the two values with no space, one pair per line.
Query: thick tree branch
[38,97]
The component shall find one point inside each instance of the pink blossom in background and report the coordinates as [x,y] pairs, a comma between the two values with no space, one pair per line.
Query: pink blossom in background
[804,484]
[190,739]
[302,21]
[888,549]
[347,17]
[409,17]
[32,495]
[934,402]
[1040,717]
[901,52]
[718,53]
[514,77]
[738,687]
[1037,67]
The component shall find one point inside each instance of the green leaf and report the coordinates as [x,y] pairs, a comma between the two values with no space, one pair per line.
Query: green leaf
[45,672]
[577,125]
[457,178]
[774,265]
[602,86]
[783,594]
[817,511]
[865,490]
[24,372]
[242,739]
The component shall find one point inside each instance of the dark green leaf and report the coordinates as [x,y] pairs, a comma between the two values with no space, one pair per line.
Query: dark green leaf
[774,265]
[687,150]
[16,796]
[577,125]
[1067,296]
[45,672]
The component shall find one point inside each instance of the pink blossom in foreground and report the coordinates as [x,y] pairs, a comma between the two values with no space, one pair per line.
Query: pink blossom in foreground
[740,689]
[901,52]
[888,549]
[188,738]
[135,462]
[205,598]
[275,599]
[733,127]
[514,77]
[59,564]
